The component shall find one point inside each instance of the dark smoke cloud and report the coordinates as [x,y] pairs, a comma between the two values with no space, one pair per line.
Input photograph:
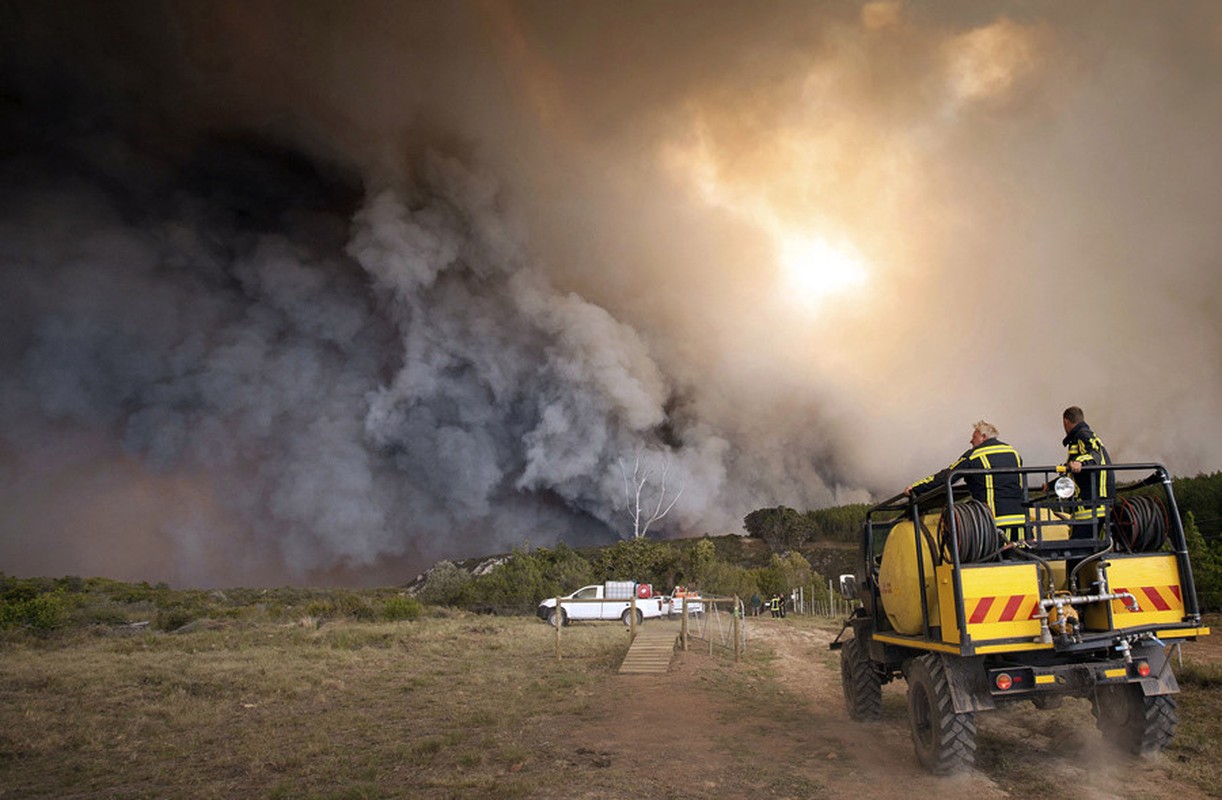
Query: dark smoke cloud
[315,292]
[348,392]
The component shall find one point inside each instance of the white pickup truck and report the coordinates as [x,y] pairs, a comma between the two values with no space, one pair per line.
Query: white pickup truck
[695,606]
[610,600]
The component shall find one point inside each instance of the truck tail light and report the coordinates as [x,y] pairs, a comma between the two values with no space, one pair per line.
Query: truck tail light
[1143,669]
[1004,681]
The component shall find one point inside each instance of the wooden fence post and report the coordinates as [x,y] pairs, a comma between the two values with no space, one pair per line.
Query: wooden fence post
[683,625]
[737,631]
[559,625]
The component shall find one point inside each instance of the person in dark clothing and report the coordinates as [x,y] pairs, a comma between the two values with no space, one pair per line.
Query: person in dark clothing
[1001,492]
[1083,447]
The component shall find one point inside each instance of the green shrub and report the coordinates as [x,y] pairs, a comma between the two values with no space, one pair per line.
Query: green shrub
[563,568]
[351,604]
[363,613]
[42,612]
[104,614]
[514,586]
[320,608]
[640,560]
[724,580]
[1206,565]
[446,584]
[400,608]
[173,618]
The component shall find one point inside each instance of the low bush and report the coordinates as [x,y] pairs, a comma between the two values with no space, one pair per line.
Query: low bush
[173,618]
[399,608]
[42,612]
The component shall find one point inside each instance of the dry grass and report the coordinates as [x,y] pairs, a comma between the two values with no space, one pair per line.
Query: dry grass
[463,706]
[433,708]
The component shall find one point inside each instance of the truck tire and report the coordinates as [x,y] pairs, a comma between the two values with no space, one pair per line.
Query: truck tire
[863,690]
[627,617]
[551,618]
[944,741]
[1132,722]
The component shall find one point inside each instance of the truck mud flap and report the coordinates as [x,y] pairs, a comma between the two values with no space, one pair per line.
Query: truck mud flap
[969,687]
[1162,676]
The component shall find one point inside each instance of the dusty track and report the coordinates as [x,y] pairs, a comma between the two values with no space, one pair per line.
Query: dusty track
[777,728]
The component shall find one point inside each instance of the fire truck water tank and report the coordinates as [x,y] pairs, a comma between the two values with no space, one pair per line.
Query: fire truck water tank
[898,578]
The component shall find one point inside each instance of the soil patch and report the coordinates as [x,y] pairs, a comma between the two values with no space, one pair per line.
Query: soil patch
[775,726]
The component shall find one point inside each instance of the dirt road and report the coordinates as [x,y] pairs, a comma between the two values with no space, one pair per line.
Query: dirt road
[776,727]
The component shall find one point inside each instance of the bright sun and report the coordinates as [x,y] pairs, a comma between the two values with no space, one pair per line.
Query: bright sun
[814,268]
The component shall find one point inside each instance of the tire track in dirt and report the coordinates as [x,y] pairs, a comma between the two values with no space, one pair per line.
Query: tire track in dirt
[709,729]
[879,764]
[1023,752]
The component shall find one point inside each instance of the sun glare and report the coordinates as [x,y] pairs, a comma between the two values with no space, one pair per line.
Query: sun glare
[815,269]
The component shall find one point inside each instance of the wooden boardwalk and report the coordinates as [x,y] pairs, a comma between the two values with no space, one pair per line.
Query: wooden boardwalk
[653,648]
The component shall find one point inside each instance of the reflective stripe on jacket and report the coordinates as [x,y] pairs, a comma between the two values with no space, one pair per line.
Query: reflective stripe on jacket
[1086,448]
[1003,493]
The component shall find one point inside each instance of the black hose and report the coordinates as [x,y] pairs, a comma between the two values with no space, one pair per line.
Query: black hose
[1071,580]
[976,531]
[1141,524]
[938,555]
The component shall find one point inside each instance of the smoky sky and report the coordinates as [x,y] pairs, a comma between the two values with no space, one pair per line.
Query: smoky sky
[326,292]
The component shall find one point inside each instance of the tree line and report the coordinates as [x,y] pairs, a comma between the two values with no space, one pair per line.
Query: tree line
[715,566]
[785,527]
[1200,503]
[524,578]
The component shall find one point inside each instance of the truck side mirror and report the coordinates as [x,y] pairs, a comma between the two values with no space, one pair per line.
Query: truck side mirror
[848,587]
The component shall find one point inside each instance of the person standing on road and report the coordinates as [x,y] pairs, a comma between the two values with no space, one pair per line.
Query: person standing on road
[1083,447]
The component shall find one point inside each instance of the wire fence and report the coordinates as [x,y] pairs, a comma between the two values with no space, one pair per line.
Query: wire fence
[717,622]
[822,601]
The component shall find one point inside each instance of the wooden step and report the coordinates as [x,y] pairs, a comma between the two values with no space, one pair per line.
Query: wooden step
[651,651]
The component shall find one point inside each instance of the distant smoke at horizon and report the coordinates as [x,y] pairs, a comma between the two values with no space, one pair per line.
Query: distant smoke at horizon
[297,295]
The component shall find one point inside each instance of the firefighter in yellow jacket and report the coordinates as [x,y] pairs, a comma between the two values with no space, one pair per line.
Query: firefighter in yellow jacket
[1085,448]
[1001,492]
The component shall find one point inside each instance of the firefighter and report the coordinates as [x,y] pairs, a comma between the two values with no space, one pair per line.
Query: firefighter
[1001,492]
[1085,448]
[774,605]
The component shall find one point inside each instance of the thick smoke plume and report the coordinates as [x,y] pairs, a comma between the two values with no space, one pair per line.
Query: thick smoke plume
[297,292]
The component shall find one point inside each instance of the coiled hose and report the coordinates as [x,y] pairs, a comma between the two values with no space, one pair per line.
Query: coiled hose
[976,532]
[1140,524]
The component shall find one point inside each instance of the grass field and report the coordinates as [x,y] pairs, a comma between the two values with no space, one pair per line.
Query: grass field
[449,704]
[437,707]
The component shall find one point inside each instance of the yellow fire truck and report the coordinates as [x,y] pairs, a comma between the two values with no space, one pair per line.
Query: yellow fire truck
[972,618]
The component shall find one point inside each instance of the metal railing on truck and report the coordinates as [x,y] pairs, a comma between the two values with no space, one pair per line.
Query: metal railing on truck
[946,547]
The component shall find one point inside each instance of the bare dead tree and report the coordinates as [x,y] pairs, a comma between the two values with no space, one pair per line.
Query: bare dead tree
[638,494]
